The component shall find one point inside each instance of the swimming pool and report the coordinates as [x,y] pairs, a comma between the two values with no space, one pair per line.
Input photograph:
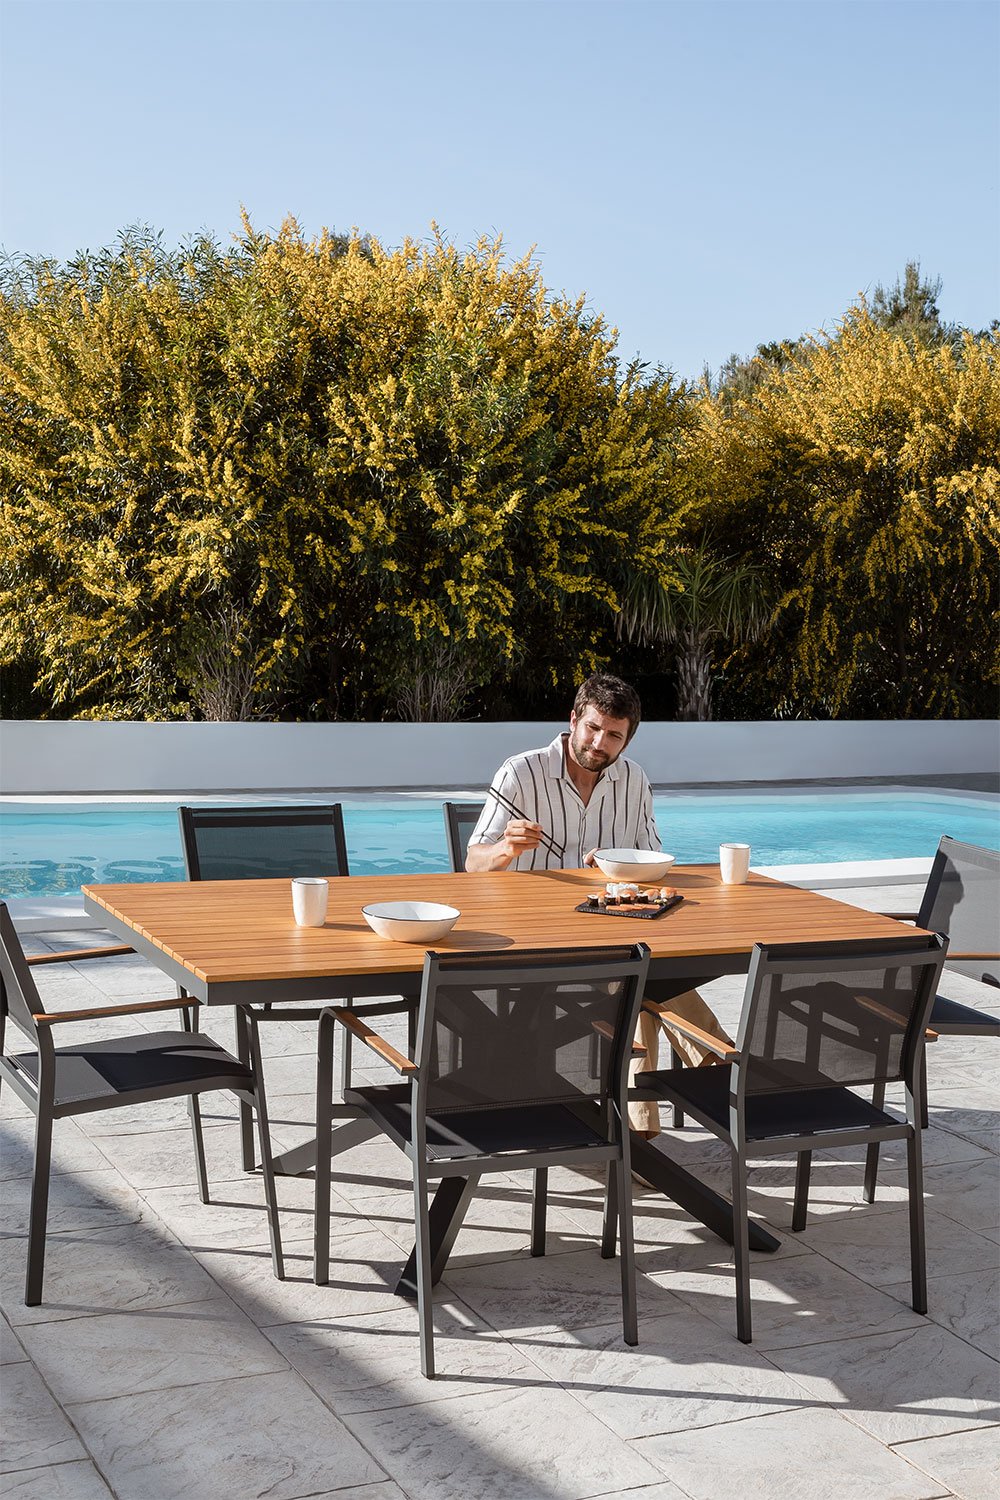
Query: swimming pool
[51,848]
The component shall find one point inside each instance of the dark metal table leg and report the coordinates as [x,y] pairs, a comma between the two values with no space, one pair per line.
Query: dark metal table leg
[448,1209]
[300,1159]
[702,1202]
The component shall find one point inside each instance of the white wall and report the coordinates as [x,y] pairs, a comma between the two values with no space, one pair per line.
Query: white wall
[83,756]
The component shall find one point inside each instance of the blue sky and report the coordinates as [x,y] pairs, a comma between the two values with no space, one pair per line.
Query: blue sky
[710,174]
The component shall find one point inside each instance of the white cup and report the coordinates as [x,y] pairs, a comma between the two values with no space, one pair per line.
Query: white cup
[310,894]
[734,863]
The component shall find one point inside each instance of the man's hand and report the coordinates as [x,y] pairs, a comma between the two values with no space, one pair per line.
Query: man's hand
[519,837]
[589,859]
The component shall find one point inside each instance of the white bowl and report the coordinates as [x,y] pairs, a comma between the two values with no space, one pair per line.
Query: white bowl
[633,864]
[410,921]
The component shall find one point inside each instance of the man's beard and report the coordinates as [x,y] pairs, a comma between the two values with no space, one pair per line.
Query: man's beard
[590,760]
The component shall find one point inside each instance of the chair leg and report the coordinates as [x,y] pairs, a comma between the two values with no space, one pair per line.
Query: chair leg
[38,1213]
[324,1147]
[871,1155]
[538,1197]
[194,1114]
[918,1249]
[247,1156]
[741,1247]
[425,1289]
[925,1118]
[630,1310]
[264,1141]
[677,1061]
[800,1207]
[609,1232]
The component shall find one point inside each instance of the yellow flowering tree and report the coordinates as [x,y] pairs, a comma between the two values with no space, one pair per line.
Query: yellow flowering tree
[861,473]
[315,477]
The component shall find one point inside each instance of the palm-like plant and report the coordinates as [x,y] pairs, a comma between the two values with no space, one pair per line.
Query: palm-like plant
[715,599]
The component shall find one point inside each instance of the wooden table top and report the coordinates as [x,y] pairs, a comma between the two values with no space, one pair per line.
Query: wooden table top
[229,932]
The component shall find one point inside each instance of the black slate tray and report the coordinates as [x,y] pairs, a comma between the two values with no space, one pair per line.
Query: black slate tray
[639,909]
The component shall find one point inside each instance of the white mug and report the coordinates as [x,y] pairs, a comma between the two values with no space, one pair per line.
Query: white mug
[309,897]
[734,863]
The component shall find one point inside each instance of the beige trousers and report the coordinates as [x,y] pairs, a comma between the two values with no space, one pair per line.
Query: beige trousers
[643,1115]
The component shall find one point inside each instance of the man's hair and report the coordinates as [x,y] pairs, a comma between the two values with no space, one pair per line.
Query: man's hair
[609,695]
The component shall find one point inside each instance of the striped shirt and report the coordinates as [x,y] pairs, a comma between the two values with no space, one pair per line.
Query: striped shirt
[619,814]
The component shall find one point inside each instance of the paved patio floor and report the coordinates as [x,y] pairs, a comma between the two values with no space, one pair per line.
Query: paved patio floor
[166,1363]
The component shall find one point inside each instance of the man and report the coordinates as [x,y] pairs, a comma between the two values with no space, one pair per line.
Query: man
[581,794]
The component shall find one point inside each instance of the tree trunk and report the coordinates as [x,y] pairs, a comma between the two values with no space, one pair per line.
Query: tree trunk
[694,680]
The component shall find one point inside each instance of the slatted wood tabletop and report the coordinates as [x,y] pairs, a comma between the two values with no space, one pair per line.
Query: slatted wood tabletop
[234,933]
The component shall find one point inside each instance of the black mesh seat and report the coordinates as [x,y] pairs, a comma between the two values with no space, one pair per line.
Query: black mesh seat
[76,1079]
[818,1022]
[154,1064]
[460,1133]
[521,1061]
[460,818]
[814,1112]
[951,1017]
[272,843]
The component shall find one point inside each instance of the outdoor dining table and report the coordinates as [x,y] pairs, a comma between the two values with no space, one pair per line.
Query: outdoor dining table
[235,942]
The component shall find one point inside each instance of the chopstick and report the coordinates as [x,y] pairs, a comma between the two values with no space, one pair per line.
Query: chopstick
[546,840]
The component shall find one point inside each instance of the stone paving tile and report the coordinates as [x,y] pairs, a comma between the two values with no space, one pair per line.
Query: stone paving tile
[35,1430]
[529,1295]
[513,1445]
[968,1462]
[968,1192]
[878,1248]
[373,1363]
[68,1481]
[77,1200]
[968,1305]
[915,1383]
[799,1455]
[801,1299]
[364,1270]
[226,1440]
[685,1372]
[11,1349]
[72,1149]
[131,1268]
[91,1359]
[236,1214]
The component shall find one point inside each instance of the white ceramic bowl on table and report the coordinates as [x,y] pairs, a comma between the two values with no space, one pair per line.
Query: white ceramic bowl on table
[633,864]
[410,921]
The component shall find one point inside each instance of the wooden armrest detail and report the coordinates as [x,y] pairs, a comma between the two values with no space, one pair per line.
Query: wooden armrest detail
[951,954]
[689,1029]
[56,1018]
[892,1015]
[609,1032]
[364,1033]
[74,954]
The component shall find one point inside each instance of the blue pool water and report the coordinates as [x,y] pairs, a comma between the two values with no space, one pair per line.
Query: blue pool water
[49,849]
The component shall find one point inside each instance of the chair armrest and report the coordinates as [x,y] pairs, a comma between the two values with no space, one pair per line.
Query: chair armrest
[56,1018]
[609,1032]
[75,954]
[892,1015]
[691,1031]
[952,954]
[364,1033]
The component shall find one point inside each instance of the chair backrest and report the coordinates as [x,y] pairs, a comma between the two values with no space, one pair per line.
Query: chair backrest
[460,818]
[19,998]
[263,843]
[819,1015]
[962,901]
[527,1027]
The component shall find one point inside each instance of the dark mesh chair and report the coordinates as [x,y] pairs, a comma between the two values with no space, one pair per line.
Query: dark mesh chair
[514,1050]
[55,1082]
[460,818]
[819,1021]
[270,843]
[961,901]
